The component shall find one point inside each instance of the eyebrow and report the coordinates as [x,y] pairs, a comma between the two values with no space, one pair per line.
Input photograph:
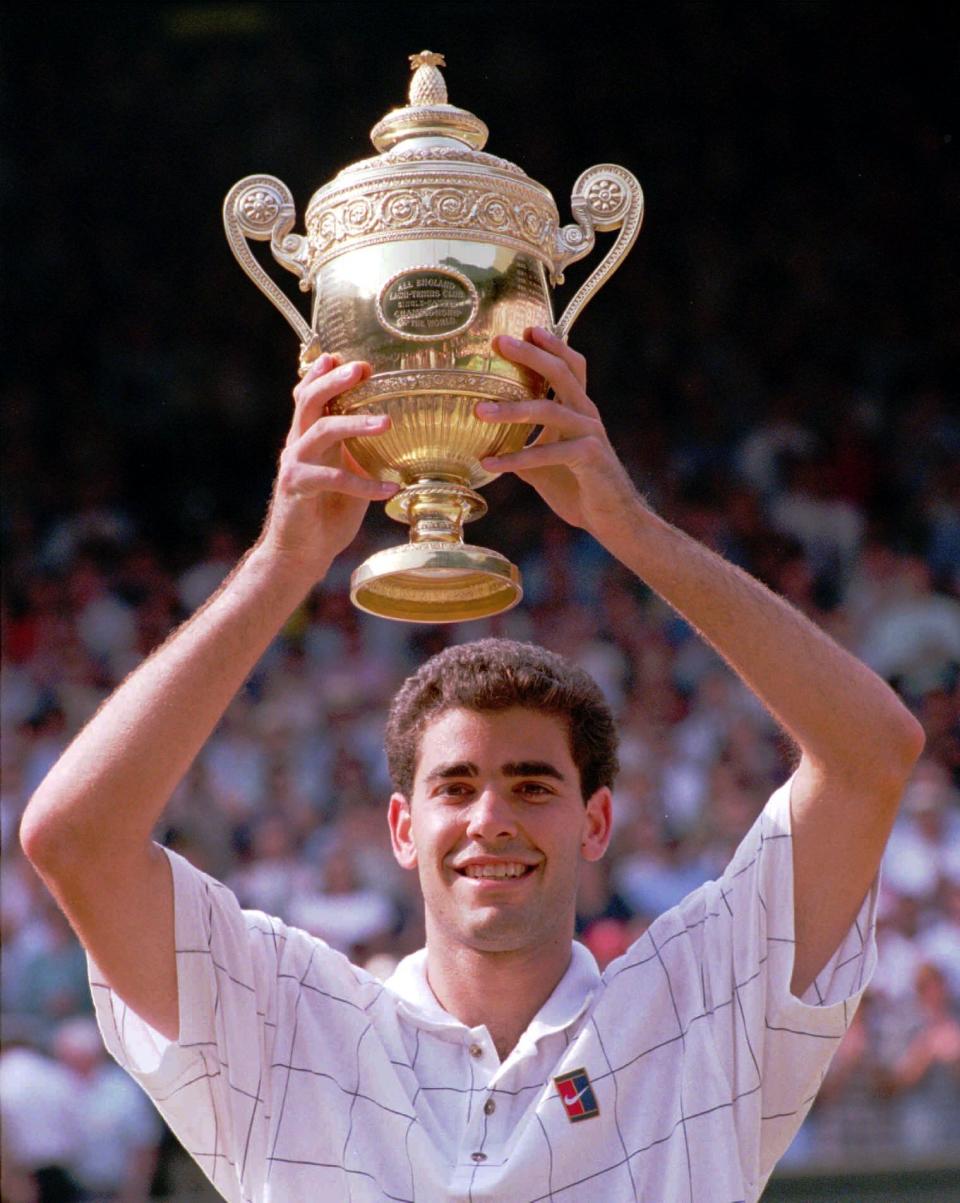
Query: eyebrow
[463,768]
[531,768]
[513,768]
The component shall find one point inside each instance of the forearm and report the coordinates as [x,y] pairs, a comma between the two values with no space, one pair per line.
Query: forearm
[836,709]
[87,829]
[858,742]
[104,796]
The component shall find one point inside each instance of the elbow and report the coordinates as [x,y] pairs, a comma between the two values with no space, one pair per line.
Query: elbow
[911,742]
[899,750]
[879,758]
[919,740]
[42,838]
[34,838]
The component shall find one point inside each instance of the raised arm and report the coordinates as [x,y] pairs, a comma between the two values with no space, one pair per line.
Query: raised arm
[858,742]
[87,829]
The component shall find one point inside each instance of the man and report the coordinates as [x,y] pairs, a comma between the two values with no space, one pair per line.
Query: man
[496,1064]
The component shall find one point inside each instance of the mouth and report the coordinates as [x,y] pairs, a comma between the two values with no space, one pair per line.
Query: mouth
[499,872]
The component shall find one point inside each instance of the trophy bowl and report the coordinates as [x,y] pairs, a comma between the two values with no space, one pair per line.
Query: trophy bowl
[417,259]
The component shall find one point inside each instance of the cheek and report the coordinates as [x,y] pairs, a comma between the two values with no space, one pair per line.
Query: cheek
[433,837]
[566,854]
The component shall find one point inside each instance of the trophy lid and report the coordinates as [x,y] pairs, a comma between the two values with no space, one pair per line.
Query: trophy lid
[428,114]
[432,177]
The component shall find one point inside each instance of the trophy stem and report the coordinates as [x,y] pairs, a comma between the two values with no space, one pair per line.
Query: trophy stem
[436,577]
[436,510]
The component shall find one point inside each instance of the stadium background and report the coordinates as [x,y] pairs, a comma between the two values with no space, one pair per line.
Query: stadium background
[776,361]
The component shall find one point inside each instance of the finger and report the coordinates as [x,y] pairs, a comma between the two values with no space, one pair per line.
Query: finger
[328,383]
[298,479]
[556,371]
[556,346]
[543,455]
[549,414]
[320,366]
[316,390]
[326,432]
[323,363]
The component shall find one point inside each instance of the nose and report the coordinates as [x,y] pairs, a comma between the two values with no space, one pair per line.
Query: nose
[491,818]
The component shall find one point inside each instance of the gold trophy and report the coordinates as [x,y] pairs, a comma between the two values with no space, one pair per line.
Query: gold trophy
[417,258]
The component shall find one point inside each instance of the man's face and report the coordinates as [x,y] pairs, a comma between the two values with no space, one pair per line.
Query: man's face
[497,827]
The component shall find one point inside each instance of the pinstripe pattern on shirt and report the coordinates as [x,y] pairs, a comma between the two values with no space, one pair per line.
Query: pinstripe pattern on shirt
[299,1076]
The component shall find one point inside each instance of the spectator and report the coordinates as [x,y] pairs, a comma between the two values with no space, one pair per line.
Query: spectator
[350,916]
[116,1157]
[915,636]
[39,1124]
[846,1120]
[925,1077]
[196,584]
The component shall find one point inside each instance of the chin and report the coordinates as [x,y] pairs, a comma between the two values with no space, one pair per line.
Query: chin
[495,941]
[501,933]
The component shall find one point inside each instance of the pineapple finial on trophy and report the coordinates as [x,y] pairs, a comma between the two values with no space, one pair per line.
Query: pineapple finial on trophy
[428,85]
[428,112]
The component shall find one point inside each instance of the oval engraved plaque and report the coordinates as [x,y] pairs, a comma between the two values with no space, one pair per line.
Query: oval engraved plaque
[426,303]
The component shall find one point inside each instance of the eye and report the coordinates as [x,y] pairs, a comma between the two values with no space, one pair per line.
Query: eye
[455,791]
[535,791]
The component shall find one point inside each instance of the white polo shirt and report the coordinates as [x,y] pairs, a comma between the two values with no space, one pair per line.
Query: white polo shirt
[686,1068]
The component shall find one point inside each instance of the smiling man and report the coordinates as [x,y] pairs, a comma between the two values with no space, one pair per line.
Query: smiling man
[497,1063]
[504,757]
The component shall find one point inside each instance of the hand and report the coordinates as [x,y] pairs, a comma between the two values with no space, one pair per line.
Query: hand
[572,464]
[321,494]
[944,1042]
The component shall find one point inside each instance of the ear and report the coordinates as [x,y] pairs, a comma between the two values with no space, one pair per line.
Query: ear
[401,831]
[598,824]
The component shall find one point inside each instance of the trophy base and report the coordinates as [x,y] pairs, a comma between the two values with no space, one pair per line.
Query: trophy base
[435,582]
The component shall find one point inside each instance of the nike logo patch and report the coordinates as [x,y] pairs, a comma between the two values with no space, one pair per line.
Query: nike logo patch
[577,1095]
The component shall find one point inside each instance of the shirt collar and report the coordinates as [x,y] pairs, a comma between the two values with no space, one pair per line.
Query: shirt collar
[569,1000]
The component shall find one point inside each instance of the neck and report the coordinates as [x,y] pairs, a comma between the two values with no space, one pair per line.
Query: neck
[500,990]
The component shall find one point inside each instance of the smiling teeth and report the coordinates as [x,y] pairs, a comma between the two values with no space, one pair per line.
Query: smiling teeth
[514,870]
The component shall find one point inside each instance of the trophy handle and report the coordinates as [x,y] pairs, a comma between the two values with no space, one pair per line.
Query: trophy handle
[605,197]
[261,207]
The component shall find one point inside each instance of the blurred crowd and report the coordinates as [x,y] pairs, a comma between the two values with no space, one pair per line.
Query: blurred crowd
[286,803]
[783,390]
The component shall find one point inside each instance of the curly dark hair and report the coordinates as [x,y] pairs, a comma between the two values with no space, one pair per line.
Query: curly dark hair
[496,674]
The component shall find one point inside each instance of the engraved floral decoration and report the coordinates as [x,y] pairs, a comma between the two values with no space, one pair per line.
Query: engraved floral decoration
[399,384]
[358,215]
[422,154]
[326,228]
[458,206]
[532,222]
[493,213]
[449,204]
[259,207]
[605,196]
[401,209]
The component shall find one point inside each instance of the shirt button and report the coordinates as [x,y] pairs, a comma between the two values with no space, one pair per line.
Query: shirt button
[489,1107]
[476,1050]
[479,1156]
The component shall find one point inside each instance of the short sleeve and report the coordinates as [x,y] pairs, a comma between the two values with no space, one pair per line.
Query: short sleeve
[234,970]
[775,1047]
